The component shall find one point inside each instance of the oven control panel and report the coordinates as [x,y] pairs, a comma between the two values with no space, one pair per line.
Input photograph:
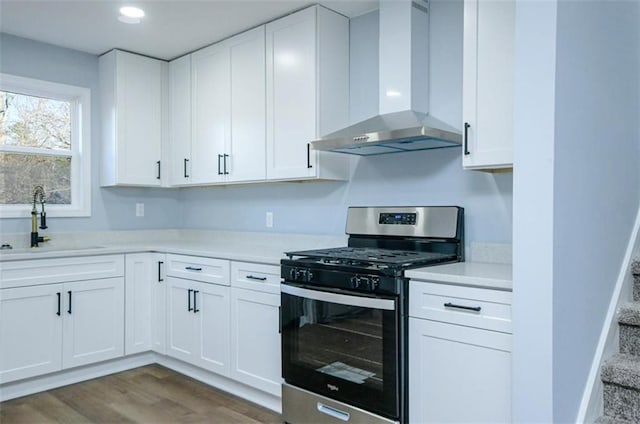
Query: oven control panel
[397,218]
[339,279]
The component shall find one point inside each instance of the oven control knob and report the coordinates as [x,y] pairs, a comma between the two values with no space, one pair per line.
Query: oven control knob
[292,274]
[309,275]
[302,274]
[355,282]
[375,283]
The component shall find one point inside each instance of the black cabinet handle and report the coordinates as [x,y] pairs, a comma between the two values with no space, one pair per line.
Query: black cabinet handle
[192,268]
[189,308]
[186,161]
[466,308]
[58,294]
[251,277]
[466,138]
[69,310]
[195,301]
[160,263]
[309,156]
[158,177]
[219,168]
[279,320]
[224,162]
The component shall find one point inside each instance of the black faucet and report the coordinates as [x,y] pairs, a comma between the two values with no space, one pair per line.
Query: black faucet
[38,194]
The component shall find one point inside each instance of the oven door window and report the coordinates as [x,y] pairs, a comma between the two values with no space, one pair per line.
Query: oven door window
[342,346]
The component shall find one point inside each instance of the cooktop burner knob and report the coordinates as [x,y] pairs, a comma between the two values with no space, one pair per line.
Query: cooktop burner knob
[355,282]
[309,275]
[293,274]
[375,283]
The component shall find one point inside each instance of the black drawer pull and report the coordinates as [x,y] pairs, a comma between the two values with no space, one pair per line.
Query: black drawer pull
[466,308]
[251,277]
[58,313]
[185,168]
[189,308]
[158,163]
[195,301]
[193,268]
[466,138]
[69,310]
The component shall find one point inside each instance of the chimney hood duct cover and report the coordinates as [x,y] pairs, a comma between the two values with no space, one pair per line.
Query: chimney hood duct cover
[404,123]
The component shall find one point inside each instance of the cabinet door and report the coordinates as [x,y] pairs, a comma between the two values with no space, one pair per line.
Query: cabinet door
[488,75]
[458,374]
[144,303]
[182,336]
[255,339]
[94,321]
[210,113]
[180,120]
[30,331]
[211,303]
[139,119]
[291,94]
[247,149]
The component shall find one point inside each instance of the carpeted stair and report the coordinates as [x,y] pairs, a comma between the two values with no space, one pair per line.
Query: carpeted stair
[621,373]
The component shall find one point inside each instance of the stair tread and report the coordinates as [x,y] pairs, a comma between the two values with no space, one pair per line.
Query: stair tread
[622,369]
[610,420]
[635,266]
[629,313]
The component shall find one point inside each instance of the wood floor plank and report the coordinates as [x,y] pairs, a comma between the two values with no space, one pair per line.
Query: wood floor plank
[150,394]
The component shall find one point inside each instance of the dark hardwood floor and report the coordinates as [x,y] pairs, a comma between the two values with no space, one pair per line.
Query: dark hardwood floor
[151,394]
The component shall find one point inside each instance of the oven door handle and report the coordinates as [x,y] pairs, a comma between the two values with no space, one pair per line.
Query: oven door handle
[343,299]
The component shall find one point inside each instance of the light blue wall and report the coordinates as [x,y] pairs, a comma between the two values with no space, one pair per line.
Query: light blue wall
[418,178]
[422,178]
[577,191]
[596,179]
[113,208]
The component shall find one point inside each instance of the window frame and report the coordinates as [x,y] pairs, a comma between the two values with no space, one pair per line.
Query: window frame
[80,109]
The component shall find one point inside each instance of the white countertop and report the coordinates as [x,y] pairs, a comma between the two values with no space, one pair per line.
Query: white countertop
[478,274]
[266,248]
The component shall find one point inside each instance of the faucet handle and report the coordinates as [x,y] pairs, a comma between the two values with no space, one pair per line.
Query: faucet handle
[43,220]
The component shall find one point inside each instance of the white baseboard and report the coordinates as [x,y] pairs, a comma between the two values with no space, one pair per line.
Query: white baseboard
[76,375]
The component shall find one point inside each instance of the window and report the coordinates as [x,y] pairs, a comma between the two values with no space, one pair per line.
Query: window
[44,140]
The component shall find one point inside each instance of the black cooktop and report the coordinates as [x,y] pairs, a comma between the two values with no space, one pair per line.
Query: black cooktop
[392,258]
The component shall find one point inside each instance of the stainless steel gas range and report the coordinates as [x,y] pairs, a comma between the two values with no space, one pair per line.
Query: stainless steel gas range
[344,314]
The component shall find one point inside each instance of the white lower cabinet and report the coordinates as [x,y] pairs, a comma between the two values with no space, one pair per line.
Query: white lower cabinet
[51,327]
[458,374]
[93,328]
[255,332]
[30,331]
[198,312]
[459,354]
[145,303]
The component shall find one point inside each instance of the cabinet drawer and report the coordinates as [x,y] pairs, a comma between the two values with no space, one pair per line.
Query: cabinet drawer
[208,270]
[47,271]
[470,306]
[264,278]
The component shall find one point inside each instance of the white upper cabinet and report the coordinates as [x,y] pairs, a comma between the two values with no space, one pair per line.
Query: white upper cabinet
[132,89]
[228,111]
[180,121]
[488,75]
[307,92]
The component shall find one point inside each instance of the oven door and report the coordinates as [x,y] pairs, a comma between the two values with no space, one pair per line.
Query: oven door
[343,346]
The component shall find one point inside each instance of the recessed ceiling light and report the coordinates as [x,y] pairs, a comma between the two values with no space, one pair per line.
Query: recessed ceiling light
[130,15]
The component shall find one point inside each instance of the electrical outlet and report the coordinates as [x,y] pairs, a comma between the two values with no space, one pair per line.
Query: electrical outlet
[269,222]
[139,209]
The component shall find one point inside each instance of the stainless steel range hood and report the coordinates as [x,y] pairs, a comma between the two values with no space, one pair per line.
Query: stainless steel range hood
[403,123]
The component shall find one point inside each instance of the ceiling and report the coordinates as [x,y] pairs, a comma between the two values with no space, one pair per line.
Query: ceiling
[170,28]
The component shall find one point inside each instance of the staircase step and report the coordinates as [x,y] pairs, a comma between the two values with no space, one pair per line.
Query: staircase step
[629,314]
[623,370]
[609,420]
[629,339]
[621,377]
[635,271]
